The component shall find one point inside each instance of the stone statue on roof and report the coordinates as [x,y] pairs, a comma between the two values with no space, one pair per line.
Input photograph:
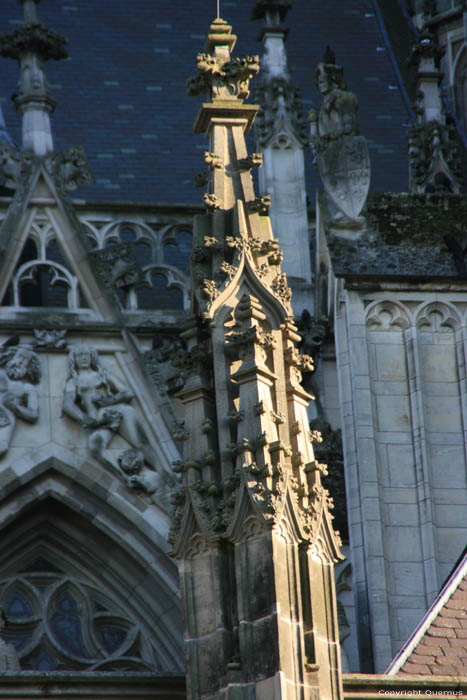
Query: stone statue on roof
[340,153]
[338,114]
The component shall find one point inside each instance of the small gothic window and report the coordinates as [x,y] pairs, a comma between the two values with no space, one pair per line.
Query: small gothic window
[42,277]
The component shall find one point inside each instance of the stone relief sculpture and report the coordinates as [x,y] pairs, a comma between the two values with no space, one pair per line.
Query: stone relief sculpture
[100,402]
[340,153]
[45,339]
[19,373]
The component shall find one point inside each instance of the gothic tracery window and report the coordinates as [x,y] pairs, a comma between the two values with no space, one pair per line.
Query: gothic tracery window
[61,622]
[161,252]
[42,277]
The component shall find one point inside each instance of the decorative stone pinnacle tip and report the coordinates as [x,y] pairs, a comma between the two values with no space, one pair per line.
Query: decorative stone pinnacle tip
[329,56]
[220,34]
[261,8]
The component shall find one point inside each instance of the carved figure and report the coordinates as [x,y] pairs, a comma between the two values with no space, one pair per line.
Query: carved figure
[20,371]
[100,403]
[341,154]
[8,656]
[10,165]
[338,115]
[131,463]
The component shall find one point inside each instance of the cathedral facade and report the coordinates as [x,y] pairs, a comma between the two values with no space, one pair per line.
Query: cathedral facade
[164,507]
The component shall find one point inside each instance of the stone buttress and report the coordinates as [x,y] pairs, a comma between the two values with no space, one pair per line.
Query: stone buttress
[252,530]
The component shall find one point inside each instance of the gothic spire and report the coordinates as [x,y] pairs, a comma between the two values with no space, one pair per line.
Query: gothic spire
[280,134]
[251,507]
[434,164]
[31,45]
[280,116]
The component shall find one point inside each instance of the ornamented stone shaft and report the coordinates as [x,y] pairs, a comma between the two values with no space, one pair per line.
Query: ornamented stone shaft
[434,162]
[31,45]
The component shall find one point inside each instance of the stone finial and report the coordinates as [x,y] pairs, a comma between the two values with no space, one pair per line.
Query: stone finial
[218,75]
[220,34]
[341,154]
[272,11]
[31,45]
[426,51]
[8,656]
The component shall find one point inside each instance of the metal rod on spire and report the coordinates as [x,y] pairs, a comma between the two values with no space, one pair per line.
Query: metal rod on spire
[218,9]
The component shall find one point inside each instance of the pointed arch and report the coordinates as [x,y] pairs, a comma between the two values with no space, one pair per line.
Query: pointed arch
[246,281]
[387,315]
[437,316]
[100,541]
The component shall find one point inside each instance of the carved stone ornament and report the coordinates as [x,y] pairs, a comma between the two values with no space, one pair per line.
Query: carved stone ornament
[70,167]
[10,165]
[426,48]
[20,372]
[15,166]
[101,404]
[46,340]
[117,266]
[165,364]
[279,122]
[342,156]
[313,333]
[434,160]
[33,38]
[220,76]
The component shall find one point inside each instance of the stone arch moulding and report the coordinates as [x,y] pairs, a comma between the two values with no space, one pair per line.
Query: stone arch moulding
[437,316]
[91,545]
[387,315]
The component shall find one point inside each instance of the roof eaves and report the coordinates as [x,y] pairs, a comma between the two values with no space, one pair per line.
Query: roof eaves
[459,573]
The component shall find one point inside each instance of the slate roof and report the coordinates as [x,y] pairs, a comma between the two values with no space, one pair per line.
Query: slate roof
[121,93]
[439,645]
[407,236]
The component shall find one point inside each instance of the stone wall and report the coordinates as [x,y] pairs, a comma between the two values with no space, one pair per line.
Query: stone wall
[401,363]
